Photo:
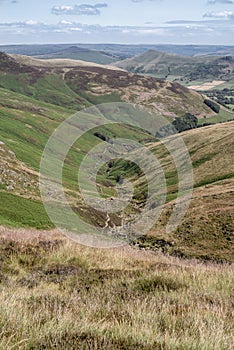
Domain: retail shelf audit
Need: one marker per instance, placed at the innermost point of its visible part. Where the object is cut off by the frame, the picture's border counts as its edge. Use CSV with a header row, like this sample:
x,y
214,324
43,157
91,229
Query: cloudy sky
x,y
117,21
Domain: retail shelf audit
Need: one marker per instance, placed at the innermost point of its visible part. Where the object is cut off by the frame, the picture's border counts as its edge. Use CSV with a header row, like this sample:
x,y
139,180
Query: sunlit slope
x,y
30,111
168,65
207,230
25,126
75,85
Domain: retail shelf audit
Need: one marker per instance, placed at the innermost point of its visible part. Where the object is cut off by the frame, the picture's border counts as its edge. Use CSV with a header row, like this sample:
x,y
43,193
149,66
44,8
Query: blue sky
x,y
117,21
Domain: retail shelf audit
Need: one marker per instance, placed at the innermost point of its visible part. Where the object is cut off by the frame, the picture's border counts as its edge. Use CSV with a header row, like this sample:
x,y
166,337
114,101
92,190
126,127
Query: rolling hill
x,y
182,68
120,51
37,95
162,290
79,53
76,84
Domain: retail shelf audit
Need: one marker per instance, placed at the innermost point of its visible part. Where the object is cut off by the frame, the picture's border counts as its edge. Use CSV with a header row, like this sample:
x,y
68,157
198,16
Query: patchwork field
x,y
207,86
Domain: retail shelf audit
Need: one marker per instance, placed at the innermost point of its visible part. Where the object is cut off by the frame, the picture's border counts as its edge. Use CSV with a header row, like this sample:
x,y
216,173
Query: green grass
x,y
210,180
223,116
21,212
204,159
48,88
27,122
89,56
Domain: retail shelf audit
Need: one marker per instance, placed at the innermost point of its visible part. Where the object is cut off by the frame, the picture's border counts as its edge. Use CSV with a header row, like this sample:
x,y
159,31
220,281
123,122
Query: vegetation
x,y
81,86
180,68
214,106
26,123
224,97
55,294
78,53
21,212
186,122
121,51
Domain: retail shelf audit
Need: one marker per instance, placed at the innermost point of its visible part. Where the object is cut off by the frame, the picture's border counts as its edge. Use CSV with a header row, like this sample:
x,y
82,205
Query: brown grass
x,y
55,294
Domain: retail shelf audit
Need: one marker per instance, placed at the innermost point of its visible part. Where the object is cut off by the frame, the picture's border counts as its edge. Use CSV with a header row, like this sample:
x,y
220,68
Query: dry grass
x,y
58,62
55,294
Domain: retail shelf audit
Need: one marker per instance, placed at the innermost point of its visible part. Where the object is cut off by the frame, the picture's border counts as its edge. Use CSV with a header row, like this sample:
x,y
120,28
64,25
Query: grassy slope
x,y
26,124
55,294
24,131
207,230
75,53
74,85
177,67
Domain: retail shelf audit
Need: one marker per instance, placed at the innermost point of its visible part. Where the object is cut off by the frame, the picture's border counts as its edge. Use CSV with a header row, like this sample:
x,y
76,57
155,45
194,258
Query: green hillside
x,y
76,84
182,68
36,97
78,53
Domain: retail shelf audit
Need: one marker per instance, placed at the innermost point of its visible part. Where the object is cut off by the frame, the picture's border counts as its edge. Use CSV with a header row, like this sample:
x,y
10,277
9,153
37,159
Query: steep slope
x,y
74,85
185,68
207,231
26,123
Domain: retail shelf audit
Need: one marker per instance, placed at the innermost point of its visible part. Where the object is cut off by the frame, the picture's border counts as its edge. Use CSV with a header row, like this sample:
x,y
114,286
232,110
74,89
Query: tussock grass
x,y
55,294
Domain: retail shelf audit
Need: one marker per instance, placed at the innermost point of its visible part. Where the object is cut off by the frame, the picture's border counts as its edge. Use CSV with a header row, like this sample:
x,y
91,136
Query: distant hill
x,y
121,51
79,53
183,68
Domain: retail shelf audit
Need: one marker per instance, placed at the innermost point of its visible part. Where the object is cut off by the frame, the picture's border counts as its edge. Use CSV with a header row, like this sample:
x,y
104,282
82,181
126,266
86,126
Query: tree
x,y
187,122
214,106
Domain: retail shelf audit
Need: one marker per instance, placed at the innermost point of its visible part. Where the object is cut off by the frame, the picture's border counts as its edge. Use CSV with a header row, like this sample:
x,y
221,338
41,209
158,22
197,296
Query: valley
x,y
157,291
37,95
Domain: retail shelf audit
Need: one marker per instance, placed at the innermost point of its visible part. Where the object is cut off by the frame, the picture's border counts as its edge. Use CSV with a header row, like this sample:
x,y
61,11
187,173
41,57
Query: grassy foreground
x,y
55,294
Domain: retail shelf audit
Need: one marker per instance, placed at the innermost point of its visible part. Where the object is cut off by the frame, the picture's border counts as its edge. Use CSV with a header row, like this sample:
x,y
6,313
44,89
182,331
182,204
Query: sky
x,y
117,21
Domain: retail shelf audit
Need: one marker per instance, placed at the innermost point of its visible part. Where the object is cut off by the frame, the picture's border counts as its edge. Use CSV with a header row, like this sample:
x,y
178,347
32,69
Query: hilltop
x,y
79,53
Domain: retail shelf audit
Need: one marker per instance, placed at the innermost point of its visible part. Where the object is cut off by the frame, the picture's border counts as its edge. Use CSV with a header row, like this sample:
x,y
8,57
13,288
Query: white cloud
x,y
184,32
213,2
221,14
31,22
64,22
78,10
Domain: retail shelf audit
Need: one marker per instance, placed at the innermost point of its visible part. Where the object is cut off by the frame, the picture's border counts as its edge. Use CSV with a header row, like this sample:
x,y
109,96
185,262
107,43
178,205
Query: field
x,y
207,86
56,294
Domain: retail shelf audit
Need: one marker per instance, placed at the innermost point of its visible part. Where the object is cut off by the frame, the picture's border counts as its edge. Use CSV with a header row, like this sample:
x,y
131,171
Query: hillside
x,y
27,122
158,291
79,53
207,230
120,51
56,294
75,84
182,68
